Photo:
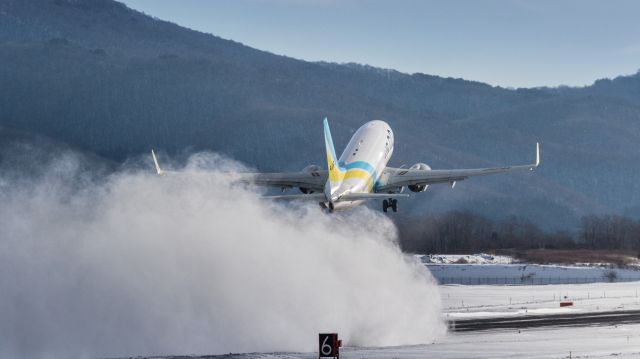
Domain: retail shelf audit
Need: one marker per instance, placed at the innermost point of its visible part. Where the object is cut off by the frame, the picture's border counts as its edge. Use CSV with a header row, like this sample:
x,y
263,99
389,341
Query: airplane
x,y
361,173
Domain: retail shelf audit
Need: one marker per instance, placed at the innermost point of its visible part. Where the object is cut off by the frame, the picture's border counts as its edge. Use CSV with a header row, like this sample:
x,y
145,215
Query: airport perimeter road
x,y
551,320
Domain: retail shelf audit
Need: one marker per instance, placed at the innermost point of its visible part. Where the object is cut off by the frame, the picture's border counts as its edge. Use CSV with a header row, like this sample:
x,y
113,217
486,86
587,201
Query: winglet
x,y
537,154
159,170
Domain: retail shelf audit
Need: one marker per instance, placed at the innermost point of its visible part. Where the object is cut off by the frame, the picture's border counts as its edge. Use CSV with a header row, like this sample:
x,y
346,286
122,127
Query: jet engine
x,y
310,169
419,187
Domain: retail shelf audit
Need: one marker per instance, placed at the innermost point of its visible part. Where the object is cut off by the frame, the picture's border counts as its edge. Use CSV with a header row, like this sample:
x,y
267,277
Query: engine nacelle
x,y
313,169
416,187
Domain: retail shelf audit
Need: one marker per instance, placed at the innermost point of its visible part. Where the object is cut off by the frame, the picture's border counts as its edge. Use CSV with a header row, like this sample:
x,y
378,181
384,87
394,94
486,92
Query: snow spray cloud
x,y
137,264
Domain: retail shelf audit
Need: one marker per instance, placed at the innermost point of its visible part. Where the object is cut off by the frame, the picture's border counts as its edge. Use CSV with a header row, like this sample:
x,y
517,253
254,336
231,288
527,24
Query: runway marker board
x,y
329,345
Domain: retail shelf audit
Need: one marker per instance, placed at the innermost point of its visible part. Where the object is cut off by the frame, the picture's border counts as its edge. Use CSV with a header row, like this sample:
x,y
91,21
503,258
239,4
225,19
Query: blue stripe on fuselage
x,y
363,166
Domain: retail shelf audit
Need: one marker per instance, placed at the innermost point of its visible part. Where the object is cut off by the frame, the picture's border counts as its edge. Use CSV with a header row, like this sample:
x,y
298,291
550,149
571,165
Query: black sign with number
x,y
328,345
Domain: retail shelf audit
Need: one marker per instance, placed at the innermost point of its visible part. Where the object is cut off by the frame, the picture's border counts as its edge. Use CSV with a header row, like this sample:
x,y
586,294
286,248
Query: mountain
x,y
116,82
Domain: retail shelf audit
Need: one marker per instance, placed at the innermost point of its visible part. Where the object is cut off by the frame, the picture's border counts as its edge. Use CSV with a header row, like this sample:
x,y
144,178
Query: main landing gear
x,y
390,203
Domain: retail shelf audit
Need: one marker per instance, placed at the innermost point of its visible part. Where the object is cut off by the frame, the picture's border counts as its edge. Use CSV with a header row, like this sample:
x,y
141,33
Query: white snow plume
x,y
145,265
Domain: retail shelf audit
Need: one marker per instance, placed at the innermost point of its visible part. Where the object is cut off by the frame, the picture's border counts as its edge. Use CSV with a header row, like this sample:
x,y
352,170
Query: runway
x,y
548,320
610,334
593,342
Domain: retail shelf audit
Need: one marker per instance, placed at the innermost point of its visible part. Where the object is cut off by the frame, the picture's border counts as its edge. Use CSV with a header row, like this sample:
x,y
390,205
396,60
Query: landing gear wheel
x,y
385,205
394,205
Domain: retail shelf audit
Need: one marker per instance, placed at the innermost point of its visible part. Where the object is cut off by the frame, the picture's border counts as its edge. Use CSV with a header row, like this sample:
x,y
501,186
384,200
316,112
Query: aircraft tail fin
x,y
336,173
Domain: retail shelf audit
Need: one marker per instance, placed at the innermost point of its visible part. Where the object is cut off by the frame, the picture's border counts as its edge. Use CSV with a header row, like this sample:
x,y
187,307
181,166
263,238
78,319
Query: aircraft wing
x,y
399,177
311,180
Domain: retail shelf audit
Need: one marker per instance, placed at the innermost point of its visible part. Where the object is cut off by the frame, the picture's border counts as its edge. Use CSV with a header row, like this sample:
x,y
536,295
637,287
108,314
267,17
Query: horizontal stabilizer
x,y
302,197
363,196
346,197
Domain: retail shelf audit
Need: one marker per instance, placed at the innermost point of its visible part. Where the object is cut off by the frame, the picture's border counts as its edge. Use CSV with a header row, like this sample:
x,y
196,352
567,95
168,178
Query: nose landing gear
x,y
390,203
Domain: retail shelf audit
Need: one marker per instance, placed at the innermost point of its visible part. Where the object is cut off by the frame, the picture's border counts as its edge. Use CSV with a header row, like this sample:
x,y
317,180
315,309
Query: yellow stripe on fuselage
x,y
361,174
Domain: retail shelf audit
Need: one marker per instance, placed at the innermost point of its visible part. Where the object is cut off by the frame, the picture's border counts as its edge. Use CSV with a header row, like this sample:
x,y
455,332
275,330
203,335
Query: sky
x,y
513,43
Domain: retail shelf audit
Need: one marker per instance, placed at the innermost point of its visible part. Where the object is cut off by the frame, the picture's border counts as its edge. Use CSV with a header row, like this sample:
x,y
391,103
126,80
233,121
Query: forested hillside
x,y
115,82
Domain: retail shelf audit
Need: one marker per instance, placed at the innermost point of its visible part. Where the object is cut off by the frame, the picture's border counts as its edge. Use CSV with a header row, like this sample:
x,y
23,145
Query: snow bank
x,y
521,274
481,258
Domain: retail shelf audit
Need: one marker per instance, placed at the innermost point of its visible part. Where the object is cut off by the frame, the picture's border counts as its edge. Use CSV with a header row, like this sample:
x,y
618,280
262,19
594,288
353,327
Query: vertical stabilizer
x,y
336,173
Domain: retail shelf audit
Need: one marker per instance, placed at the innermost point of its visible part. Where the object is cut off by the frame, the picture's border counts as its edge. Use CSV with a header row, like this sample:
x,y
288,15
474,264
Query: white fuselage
x,y
364,159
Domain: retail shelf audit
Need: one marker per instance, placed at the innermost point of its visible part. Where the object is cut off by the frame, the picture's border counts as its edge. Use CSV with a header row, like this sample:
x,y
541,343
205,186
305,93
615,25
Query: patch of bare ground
x,y
573,256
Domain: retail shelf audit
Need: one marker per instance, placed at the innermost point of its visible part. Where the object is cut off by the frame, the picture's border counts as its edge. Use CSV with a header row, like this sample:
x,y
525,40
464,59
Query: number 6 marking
x,y
326,348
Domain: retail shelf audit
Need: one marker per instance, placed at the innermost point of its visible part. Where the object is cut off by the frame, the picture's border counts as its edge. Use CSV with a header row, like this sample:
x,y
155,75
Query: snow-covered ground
x,y
502,270
587,342
591,342
466,301
621,341
472,301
